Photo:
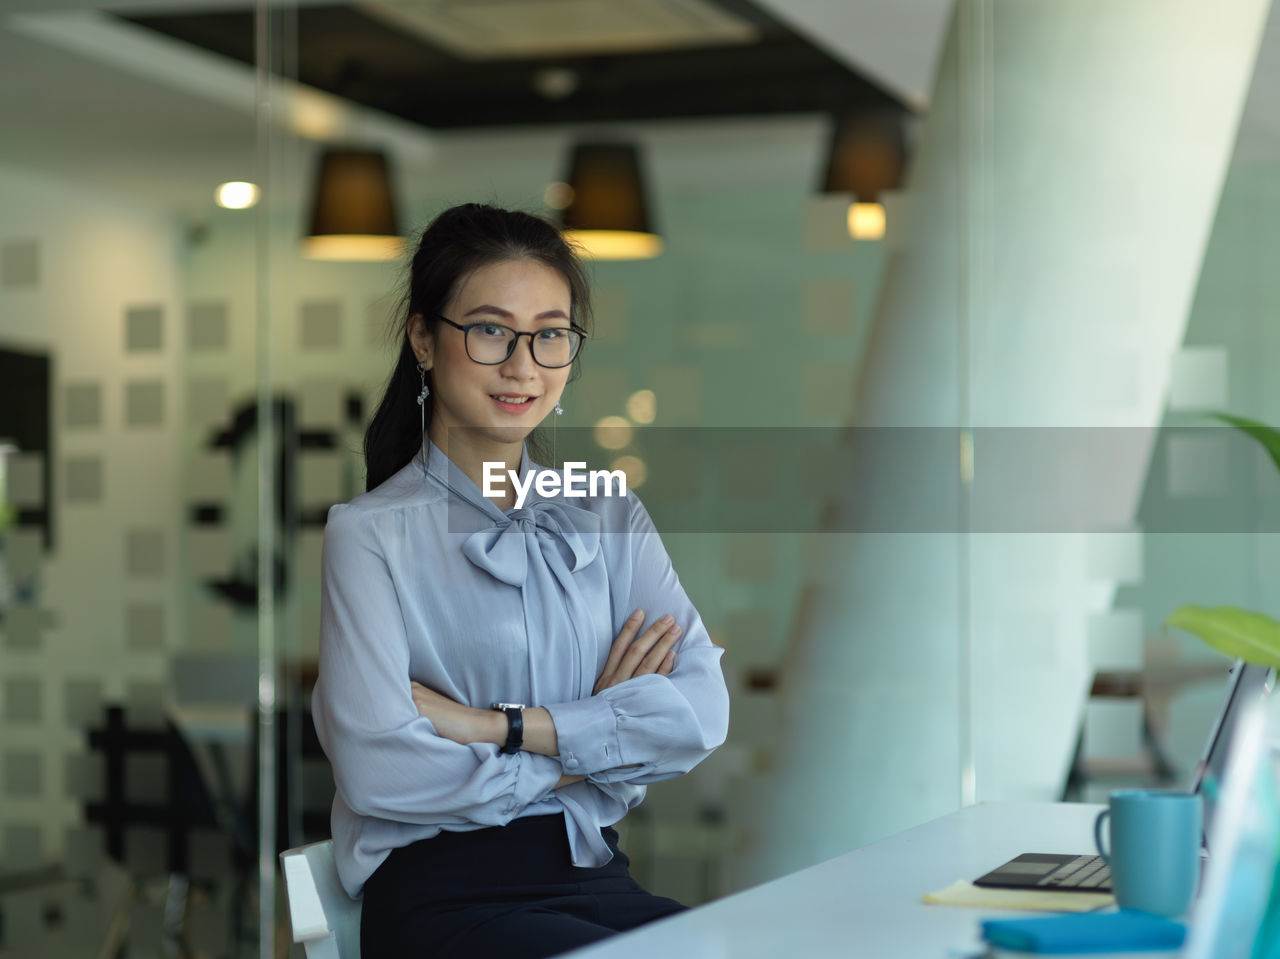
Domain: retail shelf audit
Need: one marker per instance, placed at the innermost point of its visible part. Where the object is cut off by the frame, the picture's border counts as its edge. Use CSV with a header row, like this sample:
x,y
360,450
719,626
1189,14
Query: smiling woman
x,y
497,685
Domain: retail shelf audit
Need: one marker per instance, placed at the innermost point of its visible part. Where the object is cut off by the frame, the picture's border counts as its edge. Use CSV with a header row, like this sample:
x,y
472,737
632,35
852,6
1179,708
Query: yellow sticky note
x,y
961,893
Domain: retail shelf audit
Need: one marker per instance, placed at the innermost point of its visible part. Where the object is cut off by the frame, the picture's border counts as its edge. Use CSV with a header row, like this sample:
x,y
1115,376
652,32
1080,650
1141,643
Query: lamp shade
x,y
353,213
608,216
868,156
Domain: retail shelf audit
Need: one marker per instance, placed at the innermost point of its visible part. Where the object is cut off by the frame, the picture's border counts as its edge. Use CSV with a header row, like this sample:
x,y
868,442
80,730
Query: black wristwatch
x,y
515,725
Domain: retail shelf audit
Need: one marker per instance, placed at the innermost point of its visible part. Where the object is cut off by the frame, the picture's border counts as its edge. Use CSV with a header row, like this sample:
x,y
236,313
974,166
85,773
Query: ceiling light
x,y
237,195
868,156
608,216
556,83
866,221
353,214
313,114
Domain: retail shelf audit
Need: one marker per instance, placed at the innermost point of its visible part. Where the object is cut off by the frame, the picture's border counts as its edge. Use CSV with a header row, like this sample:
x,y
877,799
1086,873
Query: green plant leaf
x,y
1253,637
1268,436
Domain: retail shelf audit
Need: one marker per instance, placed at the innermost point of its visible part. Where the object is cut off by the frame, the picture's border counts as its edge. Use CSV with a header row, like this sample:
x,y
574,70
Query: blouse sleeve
x,y
654,727
388,761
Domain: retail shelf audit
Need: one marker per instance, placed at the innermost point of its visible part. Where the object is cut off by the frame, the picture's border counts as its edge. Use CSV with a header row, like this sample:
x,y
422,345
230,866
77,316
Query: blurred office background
x,y
935,468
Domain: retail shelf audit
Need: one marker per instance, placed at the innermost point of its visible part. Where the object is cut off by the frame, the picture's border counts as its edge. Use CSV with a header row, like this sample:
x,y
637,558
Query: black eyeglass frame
x,y
515,341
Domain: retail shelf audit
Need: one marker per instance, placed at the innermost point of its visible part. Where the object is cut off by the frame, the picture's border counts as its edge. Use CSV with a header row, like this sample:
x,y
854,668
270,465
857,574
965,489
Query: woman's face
x,y
504,402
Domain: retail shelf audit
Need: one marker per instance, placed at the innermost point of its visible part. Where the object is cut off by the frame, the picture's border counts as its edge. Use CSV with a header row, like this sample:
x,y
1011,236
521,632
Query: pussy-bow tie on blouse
x,y
572,535
503,550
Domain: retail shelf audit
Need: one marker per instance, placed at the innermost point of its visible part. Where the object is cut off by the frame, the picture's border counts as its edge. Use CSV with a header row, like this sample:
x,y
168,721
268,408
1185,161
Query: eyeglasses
x,y
493,343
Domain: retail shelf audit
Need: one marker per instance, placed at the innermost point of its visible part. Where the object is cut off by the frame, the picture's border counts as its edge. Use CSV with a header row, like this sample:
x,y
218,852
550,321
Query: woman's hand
x,y
455,721
653,651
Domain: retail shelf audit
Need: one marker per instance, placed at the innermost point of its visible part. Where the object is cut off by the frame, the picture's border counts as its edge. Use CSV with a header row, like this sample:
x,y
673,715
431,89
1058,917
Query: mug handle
x,y
1097,836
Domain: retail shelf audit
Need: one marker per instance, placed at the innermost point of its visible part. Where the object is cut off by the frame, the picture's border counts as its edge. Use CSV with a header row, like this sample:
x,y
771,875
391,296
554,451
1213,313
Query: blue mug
x,y
1155,849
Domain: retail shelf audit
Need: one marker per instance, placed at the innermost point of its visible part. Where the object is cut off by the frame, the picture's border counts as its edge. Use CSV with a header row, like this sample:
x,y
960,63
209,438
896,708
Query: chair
x,y
187,806
325,920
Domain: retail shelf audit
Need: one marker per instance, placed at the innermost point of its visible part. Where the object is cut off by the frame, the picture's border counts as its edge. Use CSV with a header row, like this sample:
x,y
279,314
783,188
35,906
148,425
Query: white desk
x,y
867,903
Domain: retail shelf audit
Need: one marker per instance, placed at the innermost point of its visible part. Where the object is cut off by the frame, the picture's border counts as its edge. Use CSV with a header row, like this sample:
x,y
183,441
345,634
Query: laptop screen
x,y
1236,910
1246,685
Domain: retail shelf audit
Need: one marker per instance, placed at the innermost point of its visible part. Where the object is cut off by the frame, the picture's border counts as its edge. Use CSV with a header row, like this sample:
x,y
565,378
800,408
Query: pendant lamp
x,y
353,213
868,156
608,215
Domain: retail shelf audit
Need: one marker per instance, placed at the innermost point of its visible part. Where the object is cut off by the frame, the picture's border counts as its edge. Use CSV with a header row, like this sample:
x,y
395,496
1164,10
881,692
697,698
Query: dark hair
x,y
458,241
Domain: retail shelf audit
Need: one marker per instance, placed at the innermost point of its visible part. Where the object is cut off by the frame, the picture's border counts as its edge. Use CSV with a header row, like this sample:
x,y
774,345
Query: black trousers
x,y
509,892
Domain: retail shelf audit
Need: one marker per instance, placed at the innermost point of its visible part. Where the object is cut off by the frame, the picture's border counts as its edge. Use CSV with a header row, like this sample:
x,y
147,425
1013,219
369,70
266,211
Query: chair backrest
x,y
324,918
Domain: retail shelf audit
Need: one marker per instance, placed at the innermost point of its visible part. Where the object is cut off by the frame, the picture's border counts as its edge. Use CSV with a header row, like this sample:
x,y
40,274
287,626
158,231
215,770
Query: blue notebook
x,y
1087,932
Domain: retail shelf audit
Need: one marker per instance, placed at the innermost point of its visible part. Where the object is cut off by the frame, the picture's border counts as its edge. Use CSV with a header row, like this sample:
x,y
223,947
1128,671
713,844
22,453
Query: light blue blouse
x,y
424,579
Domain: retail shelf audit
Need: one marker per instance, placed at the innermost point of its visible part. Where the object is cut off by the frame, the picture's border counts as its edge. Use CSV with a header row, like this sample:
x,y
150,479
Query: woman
x,y
472,830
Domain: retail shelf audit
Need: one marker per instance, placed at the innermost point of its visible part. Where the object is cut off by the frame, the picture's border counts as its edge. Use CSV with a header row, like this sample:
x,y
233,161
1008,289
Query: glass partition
x,y
1117,199
132,651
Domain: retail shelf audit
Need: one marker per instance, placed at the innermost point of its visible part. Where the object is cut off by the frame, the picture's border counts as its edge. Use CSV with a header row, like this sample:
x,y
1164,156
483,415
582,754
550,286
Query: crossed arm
x,y
632,654
412,755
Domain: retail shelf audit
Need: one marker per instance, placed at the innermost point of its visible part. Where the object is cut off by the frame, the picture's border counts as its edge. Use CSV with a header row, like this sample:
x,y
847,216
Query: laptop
x,y
1247,685
1060,872
1237,915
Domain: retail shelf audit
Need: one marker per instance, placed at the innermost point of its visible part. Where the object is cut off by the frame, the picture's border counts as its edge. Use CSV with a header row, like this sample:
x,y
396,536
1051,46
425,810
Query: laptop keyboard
x,y
1083,872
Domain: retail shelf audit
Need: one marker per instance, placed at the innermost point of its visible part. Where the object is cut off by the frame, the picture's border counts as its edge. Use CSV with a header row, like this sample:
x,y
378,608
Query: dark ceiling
x,y
353,55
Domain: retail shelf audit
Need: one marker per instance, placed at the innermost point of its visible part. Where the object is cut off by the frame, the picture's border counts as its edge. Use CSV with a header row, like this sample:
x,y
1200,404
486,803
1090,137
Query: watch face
x,y
506,706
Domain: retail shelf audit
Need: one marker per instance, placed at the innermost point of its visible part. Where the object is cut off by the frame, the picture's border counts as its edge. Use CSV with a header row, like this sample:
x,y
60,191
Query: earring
x,y
422,409
559,412
426,390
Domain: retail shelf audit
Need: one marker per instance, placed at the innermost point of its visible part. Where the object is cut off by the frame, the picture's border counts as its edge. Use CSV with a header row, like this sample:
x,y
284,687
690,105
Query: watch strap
x,y
515,726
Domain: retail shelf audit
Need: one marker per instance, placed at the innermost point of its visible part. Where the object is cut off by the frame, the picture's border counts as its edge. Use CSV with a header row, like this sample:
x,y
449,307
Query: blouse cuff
x,y
536,778
587,735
